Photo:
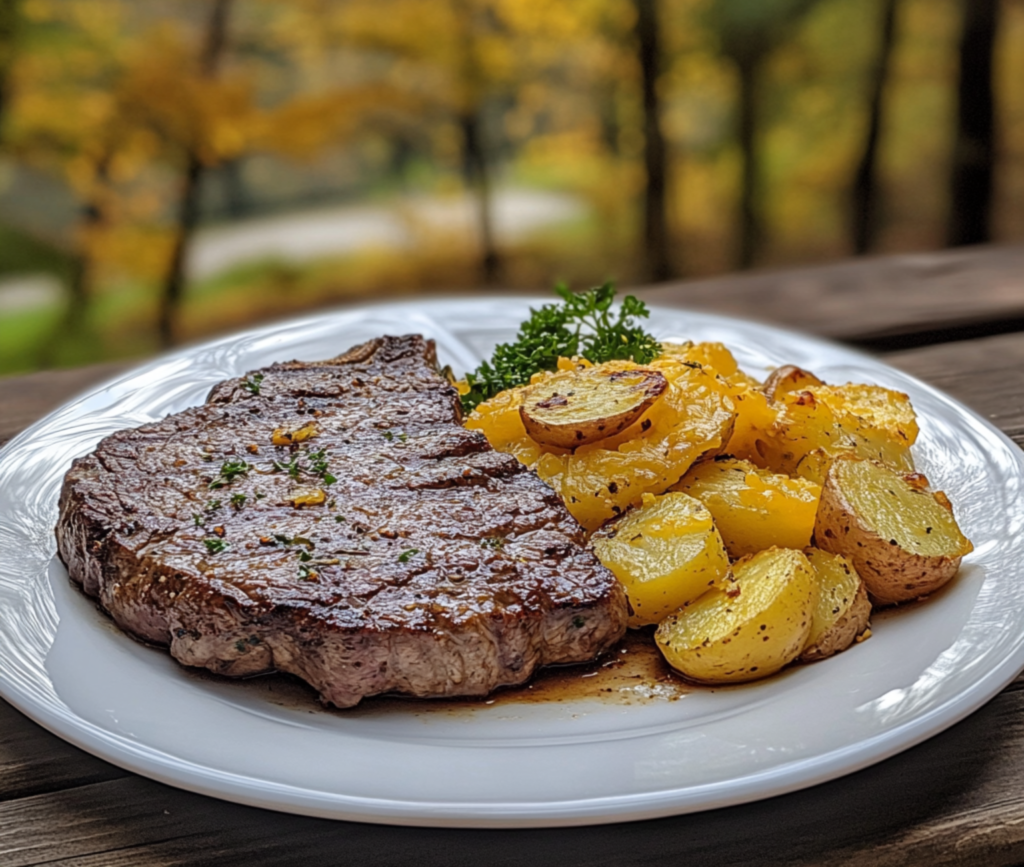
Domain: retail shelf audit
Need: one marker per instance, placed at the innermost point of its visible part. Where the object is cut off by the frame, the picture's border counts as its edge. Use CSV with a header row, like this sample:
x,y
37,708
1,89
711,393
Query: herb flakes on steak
x,y
334,520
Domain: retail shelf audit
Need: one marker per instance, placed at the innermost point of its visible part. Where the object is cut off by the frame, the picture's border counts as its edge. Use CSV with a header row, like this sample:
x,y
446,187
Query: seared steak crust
x,y
386,549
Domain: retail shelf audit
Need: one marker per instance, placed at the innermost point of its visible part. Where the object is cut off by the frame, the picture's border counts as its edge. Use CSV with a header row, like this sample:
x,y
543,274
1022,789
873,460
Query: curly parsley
x,y
582,324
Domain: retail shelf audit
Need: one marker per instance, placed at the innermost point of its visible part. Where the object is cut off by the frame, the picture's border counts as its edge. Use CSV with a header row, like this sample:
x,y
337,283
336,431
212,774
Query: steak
x,y
334,520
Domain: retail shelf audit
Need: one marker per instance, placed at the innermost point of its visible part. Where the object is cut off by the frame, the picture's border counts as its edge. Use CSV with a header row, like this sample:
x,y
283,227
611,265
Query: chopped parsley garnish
x,y
212,505
317,466
307,573
305,556
408,554
338,519
229,471
215,546
238,500
492,542
292,467
388,436
198,519
581,325
578,622
253,385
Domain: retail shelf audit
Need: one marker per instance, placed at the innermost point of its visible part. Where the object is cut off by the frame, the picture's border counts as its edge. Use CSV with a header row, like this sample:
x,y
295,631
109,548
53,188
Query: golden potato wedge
x,y
665,553
748,629
843,609
900,537
577,407
753,508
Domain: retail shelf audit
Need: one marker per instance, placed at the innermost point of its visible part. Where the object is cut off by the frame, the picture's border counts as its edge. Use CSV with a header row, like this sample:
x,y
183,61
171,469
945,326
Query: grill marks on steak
x,y
435,566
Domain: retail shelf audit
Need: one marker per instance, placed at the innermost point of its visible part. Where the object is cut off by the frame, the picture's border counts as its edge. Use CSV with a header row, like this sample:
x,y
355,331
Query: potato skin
x,y
890,573
850,623
579,407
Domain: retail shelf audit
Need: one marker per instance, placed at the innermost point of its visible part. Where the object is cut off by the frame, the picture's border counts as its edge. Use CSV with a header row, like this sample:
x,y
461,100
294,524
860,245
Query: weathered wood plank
x,y
32,761
986,375
25,399
884,302
956,799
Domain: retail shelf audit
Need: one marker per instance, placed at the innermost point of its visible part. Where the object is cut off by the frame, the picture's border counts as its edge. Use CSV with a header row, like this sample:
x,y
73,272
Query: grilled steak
x,y
334,520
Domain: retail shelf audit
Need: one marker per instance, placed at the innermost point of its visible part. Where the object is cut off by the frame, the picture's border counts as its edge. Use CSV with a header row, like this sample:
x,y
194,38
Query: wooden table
x,y
954,319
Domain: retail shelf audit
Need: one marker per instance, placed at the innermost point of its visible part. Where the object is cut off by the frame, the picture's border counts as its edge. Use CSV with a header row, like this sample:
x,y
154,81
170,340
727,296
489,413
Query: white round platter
x,y
504,765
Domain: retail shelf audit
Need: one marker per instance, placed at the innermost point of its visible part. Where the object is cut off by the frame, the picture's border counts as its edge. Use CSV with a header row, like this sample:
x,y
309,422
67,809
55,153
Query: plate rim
x,y
158,765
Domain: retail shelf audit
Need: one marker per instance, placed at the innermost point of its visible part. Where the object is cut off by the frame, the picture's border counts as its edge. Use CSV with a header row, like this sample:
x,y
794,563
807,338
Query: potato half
x,y
753,508
583,406
665,553
900,537
843,608
749,629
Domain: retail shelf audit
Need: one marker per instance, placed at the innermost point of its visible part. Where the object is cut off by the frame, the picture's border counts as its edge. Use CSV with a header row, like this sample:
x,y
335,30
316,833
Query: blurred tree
x,y
656,260
864,206
10,21
195,161
749,31
471,19
64,122
974,150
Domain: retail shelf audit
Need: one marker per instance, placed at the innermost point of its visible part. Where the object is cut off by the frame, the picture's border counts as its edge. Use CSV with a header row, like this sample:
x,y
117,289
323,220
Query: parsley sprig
x,y
583,324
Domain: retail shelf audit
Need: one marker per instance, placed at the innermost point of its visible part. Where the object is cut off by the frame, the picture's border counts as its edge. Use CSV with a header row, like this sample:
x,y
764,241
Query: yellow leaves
x,y
164,89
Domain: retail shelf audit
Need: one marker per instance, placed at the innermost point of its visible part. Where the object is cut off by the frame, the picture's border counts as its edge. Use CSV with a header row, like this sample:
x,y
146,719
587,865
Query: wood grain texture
x,y
956,799
25,399
883,302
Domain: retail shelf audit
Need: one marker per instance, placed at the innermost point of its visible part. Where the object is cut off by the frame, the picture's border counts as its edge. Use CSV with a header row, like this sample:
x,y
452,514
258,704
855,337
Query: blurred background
x,y
170,169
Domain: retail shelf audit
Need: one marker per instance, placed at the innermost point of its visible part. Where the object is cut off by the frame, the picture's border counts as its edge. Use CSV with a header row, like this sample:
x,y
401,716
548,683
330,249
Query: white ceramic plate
x,y
64,665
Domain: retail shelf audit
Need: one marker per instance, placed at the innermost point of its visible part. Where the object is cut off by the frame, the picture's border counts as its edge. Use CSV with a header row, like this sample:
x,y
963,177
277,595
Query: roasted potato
x,y
665,553
577,407
599,481
753,508
900,537
843,608
812,425
751,627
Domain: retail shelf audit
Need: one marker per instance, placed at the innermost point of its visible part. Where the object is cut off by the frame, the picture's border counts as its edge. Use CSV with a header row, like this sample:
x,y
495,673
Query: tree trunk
x,y
750,221
657,263
191,183
91,218
477,174
974,150
864,205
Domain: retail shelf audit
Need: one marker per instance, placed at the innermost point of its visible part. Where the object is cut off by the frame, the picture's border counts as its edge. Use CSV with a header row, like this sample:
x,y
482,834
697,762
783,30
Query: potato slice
x,y
843,607
578,407
748,629
665,553
900,537
753,508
